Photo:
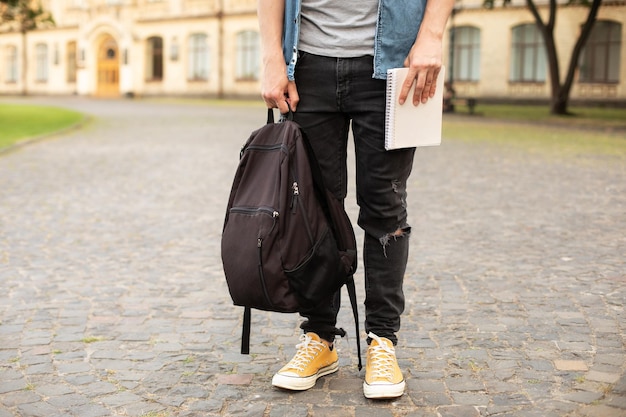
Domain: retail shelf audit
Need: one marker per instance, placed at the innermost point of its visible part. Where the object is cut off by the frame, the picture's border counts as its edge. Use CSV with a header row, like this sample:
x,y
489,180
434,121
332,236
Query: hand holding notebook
x,y
407,125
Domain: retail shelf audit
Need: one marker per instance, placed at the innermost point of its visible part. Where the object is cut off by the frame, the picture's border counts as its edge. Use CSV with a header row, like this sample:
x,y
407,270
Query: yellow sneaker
x,y
383,378
313,359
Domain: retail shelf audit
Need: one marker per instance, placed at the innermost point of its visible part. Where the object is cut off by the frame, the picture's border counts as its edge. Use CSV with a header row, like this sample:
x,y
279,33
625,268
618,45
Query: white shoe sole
x,y
295,383
382,391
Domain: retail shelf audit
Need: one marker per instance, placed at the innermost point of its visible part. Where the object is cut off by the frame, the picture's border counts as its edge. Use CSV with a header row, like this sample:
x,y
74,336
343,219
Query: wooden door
x,y
108,68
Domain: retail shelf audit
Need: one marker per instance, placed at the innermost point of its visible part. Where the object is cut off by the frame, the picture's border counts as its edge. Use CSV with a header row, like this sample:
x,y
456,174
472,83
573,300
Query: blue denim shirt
x,y
396,30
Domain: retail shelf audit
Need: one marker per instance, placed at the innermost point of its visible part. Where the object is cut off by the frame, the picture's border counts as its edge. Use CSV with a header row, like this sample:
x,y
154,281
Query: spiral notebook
x,y
409,126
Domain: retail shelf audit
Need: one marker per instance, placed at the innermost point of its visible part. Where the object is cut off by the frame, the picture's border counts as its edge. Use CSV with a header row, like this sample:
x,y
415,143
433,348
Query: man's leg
x,y
381,194
382,200
327,130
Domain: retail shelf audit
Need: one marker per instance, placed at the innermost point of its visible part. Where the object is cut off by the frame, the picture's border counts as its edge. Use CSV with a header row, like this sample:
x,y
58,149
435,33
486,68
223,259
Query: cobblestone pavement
x,y
113,301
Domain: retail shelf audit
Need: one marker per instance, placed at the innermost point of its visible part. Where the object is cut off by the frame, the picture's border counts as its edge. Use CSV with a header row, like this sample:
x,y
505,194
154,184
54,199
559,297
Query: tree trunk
x,y
580,43
560,92
559,105
559,102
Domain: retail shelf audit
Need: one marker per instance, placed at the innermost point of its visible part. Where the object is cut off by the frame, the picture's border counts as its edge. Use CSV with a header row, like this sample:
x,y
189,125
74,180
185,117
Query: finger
x,y
406,86
430,86
269,99
433,87
426,91
282,106
420,85
292,96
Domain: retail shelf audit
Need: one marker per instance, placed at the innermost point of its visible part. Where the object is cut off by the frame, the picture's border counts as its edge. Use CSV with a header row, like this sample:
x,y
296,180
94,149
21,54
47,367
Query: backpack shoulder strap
x,y
245,331
355,313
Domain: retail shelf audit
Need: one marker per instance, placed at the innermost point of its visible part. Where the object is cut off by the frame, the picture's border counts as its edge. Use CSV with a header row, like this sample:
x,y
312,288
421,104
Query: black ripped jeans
x,y
335,92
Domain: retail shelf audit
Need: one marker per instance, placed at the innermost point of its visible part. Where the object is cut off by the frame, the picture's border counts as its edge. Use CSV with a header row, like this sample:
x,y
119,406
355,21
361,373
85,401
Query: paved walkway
x,y
113,301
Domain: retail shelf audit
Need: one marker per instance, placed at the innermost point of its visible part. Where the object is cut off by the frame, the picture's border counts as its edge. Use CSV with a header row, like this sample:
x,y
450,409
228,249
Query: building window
x,y
248,55
600,60
154,59
198,50
466,53
528,60
71,62
11,64
41,62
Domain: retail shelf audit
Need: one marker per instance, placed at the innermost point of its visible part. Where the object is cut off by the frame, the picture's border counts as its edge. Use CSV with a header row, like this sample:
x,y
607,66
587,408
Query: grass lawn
x,y
588,132
20,122
591,117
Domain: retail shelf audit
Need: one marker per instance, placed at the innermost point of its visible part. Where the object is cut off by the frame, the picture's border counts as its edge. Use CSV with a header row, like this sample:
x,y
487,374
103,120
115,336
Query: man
x,y
328,59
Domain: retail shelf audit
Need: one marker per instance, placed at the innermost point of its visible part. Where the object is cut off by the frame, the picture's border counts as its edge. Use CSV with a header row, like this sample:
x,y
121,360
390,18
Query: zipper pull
x,y
294,196
275,215
258,242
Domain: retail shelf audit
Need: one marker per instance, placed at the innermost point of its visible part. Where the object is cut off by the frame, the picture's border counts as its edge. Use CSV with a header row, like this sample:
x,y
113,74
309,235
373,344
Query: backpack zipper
x,y
259,241
254,210
295,202
294,196
268,148
259,245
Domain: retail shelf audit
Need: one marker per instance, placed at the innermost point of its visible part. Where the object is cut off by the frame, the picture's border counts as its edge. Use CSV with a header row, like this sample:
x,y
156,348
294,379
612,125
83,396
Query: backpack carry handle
x,y
285,116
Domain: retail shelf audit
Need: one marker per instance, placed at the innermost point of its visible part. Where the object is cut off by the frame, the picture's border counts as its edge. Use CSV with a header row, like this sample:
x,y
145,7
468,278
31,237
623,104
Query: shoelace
x,y
383,359
306,352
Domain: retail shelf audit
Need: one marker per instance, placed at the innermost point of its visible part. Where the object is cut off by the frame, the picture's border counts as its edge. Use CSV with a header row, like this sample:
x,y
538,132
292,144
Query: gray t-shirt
x,y
338,28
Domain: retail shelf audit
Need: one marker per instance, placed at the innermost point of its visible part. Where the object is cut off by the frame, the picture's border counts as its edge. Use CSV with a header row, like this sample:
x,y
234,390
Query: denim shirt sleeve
x,y
291,31
396,30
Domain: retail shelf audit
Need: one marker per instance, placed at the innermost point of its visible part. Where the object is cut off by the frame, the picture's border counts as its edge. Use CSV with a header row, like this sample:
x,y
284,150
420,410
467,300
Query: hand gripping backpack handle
x,y
283,116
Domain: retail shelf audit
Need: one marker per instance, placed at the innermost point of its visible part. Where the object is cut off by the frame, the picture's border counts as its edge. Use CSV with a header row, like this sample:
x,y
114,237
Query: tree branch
x,y
552,18
533,9
580,43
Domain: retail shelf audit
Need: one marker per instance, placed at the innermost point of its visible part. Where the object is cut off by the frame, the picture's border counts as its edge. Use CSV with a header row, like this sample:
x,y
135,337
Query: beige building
x,y
114,48
137,47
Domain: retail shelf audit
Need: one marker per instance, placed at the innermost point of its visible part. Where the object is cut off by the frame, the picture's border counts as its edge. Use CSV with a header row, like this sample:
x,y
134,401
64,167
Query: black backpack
x,y
287,242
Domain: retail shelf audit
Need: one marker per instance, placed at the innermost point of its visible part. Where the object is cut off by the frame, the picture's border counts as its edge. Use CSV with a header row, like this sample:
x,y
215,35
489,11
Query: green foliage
x,y
27,14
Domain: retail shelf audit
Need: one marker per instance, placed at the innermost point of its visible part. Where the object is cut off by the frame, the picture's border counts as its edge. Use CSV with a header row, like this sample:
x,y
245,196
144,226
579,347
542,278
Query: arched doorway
x,y
108,82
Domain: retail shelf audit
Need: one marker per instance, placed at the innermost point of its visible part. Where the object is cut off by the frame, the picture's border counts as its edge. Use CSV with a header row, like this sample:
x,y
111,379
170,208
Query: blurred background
x,y
514,51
